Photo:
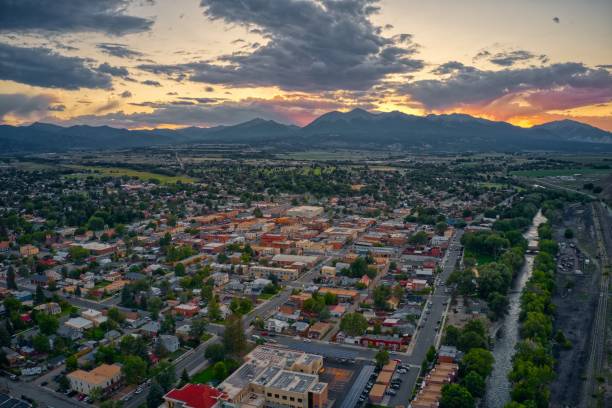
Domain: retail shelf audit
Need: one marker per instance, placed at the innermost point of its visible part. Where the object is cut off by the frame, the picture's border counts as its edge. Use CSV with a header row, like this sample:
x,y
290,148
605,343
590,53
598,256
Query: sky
x,y
176,63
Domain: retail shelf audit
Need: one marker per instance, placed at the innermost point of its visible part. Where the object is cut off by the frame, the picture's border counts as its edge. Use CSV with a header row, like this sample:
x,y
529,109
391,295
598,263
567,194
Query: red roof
x,y
195,395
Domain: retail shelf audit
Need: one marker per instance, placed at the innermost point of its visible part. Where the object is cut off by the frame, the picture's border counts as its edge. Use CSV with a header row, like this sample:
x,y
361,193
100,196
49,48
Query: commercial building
x,y
305,211
104,377
192,396
276,377
283,274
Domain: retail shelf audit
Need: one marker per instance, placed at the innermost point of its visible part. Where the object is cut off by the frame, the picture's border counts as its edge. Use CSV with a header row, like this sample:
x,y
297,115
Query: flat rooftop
x,y
293,382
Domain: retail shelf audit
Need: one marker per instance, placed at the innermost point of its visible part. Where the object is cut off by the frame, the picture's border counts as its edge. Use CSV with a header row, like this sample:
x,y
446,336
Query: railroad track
x,y
598,337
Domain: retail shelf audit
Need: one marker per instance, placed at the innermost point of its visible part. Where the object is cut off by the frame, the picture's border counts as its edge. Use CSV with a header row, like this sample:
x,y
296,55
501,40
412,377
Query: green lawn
x,y
481,259
207,375
266,296
559,172
142,175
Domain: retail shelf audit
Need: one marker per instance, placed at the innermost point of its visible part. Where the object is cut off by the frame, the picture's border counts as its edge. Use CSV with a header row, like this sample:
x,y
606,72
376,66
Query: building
x,y
283,274
169,342
28,250
319,330
192,396
79,324
343,295
287,260
99,248
186,310
276,377
305,211
94,316
51,308
104,377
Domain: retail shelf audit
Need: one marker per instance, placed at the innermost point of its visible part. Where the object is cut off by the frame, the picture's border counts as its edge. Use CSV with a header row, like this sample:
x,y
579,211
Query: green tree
x,y
40,342
220,370
382,358
95,223
47,324
134,369
234,339
456,396
95,394
154,305
184,378
10,278
478,360
214,310
474,383
215,352
569,233
165,376
431,354
155,396
39,297
71,363
354,324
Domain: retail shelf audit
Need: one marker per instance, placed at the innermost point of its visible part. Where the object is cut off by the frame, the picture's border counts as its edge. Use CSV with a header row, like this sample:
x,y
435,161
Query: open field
x,y
331,155
559,172
121,172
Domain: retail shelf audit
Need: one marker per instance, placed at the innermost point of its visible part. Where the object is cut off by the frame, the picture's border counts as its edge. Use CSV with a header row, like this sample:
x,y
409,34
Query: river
x,y
498,386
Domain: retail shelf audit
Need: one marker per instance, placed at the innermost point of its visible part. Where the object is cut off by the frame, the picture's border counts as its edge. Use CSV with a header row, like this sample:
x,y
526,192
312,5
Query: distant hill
x,y
355,129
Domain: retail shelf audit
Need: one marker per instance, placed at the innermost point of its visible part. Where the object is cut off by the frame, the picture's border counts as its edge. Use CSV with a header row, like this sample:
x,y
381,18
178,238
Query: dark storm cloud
x,y
312,45
467,85
119,50
44,67
114,71
24,105
62,16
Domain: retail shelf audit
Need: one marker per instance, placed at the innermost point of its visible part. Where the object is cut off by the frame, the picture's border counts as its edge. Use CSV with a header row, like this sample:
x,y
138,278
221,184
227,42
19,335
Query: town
x,y
124,291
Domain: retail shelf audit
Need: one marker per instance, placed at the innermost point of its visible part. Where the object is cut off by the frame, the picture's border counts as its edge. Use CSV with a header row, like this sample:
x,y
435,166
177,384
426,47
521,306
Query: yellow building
x,y
103,377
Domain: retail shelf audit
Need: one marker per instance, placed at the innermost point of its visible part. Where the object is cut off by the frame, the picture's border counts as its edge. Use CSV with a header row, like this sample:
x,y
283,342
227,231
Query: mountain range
x,y
355,129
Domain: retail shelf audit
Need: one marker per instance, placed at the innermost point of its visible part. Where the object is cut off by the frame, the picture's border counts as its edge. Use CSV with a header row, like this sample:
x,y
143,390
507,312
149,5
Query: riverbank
x,y
498,385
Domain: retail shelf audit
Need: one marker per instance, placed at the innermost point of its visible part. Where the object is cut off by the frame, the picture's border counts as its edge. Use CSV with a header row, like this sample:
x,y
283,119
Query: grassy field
x,y
207,375
317,155
559,172
481,259
142,175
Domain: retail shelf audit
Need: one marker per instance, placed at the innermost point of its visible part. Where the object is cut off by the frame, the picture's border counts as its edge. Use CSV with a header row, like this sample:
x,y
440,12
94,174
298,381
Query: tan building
x,y
28,250
305,211
103,377
283,274
276,377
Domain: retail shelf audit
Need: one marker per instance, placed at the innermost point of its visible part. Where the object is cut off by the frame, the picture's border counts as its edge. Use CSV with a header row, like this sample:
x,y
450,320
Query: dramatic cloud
x,y
43,67
125,94
61,16
24,106
150,82
119,50
556,20
56,108
114,71
299,109
311,46
509,58
469,85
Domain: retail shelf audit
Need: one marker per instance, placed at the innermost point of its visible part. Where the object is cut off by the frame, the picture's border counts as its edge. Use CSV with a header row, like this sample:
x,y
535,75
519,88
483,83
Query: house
x,y
4,246
94,316
104,377
184,331
51,308
134,276
28,250
186,310
39,280
328,271
300,328
79,324
319,330
150,329
220,278
337,311
192,396
169,342
343,295
386,342
275,325
69,333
